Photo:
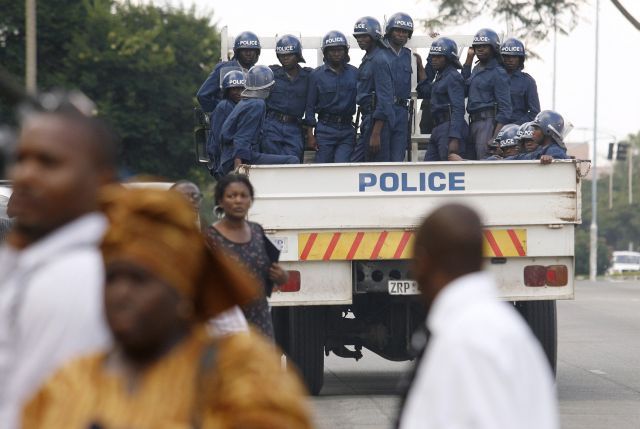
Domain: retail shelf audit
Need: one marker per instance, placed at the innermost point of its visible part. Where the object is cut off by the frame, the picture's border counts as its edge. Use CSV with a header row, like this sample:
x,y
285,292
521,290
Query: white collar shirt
x,y
483,368
51,309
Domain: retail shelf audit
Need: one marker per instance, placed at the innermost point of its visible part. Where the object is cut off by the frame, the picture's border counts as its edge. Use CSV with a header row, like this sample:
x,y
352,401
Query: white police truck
x,y
346,233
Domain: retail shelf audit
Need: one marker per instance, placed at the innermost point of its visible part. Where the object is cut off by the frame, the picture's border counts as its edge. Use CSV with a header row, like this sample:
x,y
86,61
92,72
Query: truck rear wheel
x,y
306,344
541,317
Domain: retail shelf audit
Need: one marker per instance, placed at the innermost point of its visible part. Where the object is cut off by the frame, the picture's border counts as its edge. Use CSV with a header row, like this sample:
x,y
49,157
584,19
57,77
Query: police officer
x,y
232,86
508,141
286,104
553,129
332,95
241,132
489,101
524,92
246,51
398,31
447,102
374,93
529,137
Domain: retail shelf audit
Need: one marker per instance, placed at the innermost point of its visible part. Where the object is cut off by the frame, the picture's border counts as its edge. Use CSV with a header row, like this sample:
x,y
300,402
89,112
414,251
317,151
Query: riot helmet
x,y
335,39
290,44
233,79
506,138
246,40
447,48
368,25
552,125
487,36
399,20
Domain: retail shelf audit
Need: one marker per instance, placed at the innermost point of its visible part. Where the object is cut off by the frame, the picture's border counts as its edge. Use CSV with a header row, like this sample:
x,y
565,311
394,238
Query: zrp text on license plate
x,y
403,287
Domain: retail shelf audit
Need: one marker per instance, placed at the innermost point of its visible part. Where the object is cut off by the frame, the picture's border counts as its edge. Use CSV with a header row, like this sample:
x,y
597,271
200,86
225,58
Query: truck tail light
x,y
557,275
552,275
535,275
293,285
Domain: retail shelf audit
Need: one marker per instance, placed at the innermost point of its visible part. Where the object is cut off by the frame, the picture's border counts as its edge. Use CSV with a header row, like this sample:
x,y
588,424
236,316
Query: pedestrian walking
x,y
482,367
51,273
163,283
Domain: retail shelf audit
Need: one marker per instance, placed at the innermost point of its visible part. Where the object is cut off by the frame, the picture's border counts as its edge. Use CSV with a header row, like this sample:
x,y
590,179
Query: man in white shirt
x,y
482,367
51,271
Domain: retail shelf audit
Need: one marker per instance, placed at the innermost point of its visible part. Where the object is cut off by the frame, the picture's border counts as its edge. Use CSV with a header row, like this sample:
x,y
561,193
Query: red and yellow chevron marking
x,y
372,245
505,243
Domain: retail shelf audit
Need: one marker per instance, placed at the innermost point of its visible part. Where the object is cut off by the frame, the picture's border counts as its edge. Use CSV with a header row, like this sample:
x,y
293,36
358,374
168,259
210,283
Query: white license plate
x,y
403,287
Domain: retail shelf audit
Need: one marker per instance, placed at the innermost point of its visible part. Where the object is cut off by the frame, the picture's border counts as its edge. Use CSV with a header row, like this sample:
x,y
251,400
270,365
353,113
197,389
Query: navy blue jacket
x,y
219,115
241,131
554,150
488,86
210,93
447,95
331,93
374,76
289,96
524,98
401,72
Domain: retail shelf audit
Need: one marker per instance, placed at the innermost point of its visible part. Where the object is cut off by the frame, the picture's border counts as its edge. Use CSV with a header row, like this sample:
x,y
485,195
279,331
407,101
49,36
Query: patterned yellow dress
x,y
238,383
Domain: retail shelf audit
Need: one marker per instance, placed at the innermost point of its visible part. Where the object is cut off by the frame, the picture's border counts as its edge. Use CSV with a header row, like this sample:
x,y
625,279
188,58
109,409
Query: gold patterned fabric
x,y
247,389
156,230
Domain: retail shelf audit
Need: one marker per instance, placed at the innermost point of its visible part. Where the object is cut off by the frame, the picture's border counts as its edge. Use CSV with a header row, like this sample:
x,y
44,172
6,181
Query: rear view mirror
x,y
200,135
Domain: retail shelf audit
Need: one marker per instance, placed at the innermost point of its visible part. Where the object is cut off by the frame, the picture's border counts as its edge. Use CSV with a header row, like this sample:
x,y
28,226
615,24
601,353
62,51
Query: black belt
x,y
287,119
404,102
483,114
440,118
334,119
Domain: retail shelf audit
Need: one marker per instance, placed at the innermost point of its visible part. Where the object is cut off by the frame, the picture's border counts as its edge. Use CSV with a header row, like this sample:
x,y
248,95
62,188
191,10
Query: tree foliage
x,y
531,19
140,63
618,226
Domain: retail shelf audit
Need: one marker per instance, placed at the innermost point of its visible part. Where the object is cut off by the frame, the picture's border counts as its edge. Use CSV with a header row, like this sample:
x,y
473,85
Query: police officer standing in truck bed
x,y
375,93
524,92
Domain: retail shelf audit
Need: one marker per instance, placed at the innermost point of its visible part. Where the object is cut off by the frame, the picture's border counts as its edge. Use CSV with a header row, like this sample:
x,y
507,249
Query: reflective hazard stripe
x,y
372,245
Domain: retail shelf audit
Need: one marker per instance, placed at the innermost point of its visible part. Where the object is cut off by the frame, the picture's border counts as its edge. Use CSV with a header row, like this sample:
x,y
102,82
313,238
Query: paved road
x,y
598,368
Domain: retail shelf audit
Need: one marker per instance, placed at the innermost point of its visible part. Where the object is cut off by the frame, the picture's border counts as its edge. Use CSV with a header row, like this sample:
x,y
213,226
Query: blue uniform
x,y
489,98
241,134
333,97
401,75
283,134
447,111
524,98
375,98
219,115
210,93
554,150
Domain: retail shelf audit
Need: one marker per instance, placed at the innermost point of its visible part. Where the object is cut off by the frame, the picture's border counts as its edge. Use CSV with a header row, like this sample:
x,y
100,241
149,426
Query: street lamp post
x,y
593,248
31,47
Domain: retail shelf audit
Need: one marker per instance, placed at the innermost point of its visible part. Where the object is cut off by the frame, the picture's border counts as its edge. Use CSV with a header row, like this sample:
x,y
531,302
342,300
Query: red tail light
x,y
539,275
293,285
557,275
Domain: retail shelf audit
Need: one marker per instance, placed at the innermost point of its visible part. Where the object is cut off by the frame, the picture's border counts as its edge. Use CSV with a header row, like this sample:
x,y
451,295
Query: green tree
x,y
141,64
618,226
533,19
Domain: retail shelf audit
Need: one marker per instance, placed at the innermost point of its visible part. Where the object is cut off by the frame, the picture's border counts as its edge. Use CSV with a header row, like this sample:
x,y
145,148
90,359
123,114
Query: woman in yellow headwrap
x,y
164,371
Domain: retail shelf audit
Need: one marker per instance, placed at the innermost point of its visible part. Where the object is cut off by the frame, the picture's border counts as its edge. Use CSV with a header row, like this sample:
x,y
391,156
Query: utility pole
x,y
31,47
555,59
630,161
593,248
611,189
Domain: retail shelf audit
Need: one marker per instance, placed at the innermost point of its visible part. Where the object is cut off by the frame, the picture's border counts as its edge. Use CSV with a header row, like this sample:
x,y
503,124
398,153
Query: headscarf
x,y
155,230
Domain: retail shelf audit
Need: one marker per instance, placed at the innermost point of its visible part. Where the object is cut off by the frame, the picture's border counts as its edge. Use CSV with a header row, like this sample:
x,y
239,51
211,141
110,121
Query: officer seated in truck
x,y
241,132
